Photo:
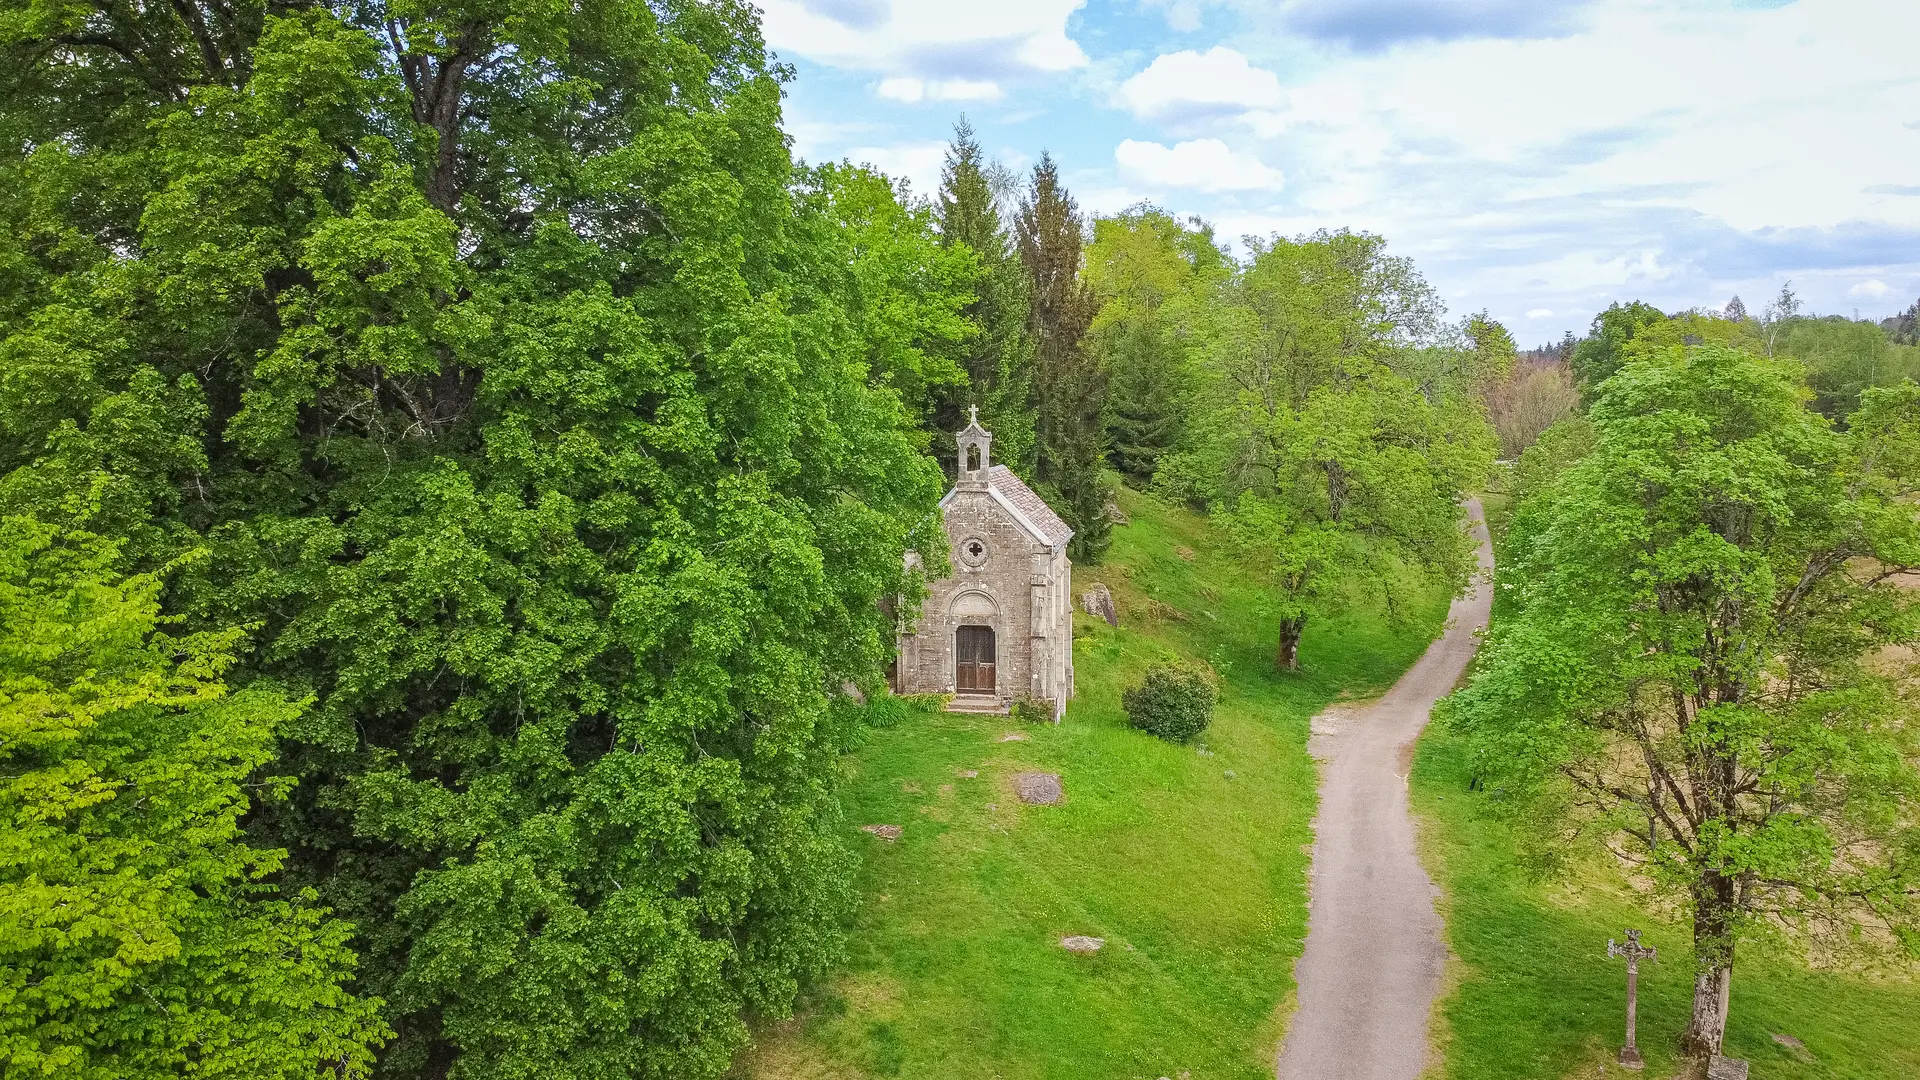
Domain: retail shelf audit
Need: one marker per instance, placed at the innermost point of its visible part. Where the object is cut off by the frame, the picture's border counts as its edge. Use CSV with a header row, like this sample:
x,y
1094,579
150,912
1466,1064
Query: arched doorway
x,y
973,663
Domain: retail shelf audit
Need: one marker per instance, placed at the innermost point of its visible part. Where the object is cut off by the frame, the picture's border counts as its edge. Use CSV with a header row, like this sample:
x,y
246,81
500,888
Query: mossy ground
x,y
1191,865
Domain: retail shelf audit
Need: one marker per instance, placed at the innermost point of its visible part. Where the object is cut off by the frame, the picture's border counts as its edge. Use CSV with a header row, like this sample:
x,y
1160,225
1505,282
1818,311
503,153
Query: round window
x,y
973,551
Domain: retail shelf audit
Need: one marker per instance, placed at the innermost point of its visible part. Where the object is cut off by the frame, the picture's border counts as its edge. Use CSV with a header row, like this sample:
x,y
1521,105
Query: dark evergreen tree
x,y
1904,328
1070,387
1145,406
999,358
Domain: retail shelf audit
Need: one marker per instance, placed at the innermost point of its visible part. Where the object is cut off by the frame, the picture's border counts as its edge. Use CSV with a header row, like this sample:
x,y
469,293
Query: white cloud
x,y
912,90
1672,152
1691,106
1654,150
1873,289
1198,165
1540,313
918,163
1194,82
974,40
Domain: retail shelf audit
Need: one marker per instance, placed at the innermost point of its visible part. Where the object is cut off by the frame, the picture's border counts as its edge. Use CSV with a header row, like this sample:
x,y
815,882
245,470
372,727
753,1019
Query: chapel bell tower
x,y
974,443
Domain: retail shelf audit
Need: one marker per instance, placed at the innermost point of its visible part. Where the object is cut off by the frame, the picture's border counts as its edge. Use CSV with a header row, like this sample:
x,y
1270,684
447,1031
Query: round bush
x,y
1175,702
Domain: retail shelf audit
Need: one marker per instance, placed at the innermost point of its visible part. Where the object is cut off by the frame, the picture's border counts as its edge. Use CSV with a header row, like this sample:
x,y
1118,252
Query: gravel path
x,y
1374,954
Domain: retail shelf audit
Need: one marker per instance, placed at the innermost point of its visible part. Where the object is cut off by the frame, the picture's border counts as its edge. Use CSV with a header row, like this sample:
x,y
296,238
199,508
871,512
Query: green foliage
x,y
1033,710
1156,280
999,357
1690,655
1338,475
138,933
1070,386
1173,702
904,292
1472,358
545,424
1491,341
1603,350
1557,448
1904,328
1844,357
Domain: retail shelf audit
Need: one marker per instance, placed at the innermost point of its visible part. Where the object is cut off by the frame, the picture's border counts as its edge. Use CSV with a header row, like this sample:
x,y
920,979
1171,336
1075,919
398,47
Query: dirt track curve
x,y
1374,952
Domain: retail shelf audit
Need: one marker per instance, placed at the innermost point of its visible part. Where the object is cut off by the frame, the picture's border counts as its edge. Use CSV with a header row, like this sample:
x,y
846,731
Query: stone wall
x,y
1018,587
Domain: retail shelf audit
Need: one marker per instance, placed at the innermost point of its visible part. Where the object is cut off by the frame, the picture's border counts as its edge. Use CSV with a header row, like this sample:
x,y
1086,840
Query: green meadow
x,y
1535,996
1190,861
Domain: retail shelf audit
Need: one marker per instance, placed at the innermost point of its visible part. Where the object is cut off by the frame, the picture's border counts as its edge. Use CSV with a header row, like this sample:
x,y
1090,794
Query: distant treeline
x,y
454,462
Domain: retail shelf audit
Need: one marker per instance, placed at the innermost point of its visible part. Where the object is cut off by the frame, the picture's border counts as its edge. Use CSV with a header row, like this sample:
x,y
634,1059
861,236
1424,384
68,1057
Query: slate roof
x,y
1028,505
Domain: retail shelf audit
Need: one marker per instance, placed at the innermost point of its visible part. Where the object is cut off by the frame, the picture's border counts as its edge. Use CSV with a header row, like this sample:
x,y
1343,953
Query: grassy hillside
x,y
1537,996
1189,860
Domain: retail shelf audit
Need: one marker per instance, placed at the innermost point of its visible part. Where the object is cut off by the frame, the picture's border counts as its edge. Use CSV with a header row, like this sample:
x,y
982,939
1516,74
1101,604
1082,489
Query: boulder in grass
x,y
1726,1068
1038,788
1082,944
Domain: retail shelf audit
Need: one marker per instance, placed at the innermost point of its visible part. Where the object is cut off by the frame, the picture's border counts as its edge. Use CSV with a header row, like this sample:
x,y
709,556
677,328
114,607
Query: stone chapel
x,y
1001,626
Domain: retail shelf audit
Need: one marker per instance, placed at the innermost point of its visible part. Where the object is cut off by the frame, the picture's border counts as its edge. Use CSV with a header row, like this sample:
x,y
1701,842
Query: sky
x,y
1537,159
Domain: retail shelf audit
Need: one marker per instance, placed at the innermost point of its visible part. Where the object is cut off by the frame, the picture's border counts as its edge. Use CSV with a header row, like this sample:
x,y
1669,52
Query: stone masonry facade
x,y
1008,551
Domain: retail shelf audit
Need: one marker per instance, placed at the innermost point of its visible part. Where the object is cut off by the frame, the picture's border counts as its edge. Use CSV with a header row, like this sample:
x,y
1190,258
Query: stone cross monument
x,y
1634,952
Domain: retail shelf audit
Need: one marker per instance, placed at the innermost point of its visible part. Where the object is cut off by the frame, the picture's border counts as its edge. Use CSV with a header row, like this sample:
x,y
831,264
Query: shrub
x,y
1033,710
1175,702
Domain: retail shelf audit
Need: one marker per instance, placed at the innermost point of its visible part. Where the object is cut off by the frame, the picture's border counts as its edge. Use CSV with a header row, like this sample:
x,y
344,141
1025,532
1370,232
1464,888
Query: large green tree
x,y
906,292
518,404
137,937
1341,475
999,357
1698,654
1157,281
1070,386
1598,355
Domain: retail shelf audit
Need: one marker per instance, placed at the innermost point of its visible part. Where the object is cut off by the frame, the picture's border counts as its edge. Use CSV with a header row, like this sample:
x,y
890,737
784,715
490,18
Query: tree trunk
x,y
1287,656
1713,911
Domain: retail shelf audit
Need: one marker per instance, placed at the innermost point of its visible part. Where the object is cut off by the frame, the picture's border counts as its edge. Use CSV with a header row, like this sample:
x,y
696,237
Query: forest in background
x,y
453,461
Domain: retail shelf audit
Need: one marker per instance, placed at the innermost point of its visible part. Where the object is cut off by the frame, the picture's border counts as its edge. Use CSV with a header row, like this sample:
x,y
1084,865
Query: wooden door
x,y
973,660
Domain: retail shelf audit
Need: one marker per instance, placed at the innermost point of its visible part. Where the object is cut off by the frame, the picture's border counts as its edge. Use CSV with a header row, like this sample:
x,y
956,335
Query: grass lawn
x,y
1537,996
1191,865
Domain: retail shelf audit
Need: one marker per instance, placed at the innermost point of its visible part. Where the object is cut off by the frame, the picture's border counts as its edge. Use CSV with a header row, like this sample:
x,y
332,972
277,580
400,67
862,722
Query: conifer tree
x,y
999,358
1070,388
1157,280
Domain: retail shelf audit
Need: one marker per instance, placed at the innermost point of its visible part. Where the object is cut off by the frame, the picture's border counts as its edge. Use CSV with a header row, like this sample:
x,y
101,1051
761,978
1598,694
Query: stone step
x,y
983,706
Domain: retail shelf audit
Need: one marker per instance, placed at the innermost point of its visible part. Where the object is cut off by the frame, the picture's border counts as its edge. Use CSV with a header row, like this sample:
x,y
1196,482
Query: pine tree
x,y
1070,388
999,359
1155,278
1144,406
